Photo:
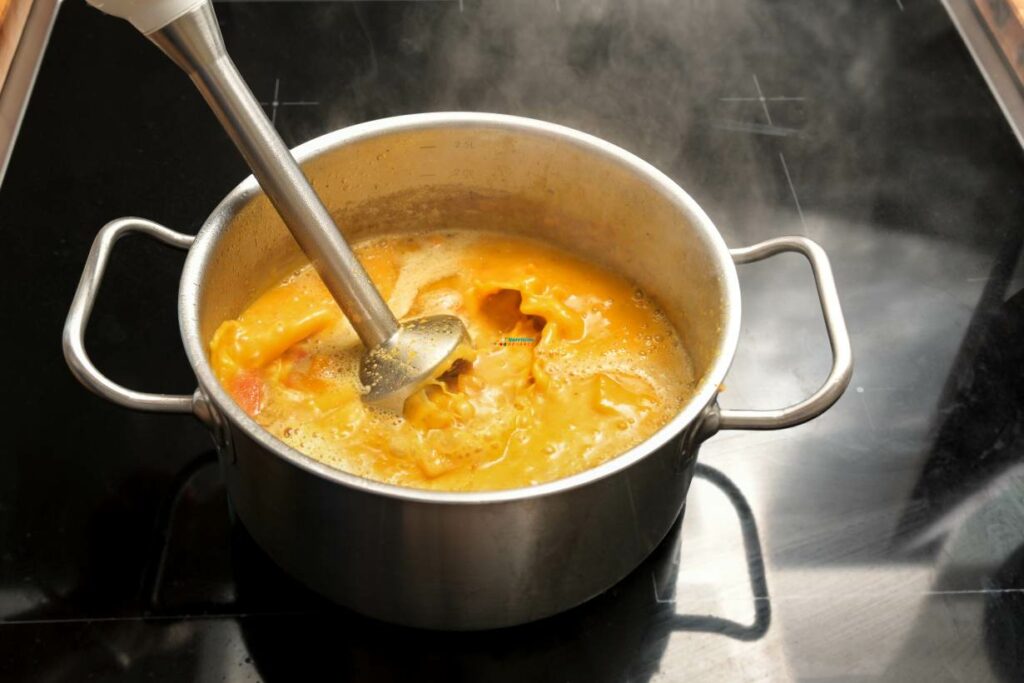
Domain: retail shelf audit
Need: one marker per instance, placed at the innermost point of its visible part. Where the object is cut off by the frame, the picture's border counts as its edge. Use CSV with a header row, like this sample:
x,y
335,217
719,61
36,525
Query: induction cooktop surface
x,y
881,541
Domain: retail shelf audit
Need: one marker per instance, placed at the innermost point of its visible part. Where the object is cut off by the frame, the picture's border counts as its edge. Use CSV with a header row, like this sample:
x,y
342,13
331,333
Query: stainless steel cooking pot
x,y
467,560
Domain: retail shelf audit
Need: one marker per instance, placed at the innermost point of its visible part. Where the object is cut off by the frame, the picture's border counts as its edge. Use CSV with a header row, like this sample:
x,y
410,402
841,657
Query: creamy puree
x,y
573,365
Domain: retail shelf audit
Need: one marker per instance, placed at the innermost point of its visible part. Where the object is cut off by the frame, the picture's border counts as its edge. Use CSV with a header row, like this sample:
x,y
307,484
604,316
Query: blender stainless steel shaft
x,y
399,359
194,42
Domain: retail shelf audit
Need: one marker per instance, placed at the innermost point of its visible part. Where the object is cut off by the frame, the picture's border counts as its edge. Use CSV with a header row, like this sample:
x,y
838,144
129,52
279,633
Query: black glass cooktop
x,y
882,541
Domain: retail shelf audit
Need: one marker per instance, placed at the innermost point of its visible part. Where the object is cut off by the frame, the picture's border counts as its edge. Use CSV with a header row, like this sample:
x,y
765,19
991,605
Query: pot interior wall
x,y
479,177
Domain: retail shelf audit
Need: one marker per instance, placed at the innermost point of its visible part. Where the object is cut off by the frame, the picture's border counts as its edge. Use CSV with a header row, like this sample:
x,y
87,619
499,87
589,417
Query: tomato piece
x,y
249,392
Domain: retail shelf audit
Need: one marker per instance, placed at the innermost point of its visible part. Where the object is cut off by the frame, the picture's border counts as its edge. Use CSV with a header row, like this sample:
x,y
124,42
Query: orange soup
x,y
573,365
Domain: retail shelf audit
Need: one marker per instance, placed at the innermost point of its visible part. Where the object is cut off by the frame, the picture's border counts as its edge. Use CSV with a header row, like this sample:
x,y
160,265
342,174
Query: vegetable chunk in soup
x,y
573,365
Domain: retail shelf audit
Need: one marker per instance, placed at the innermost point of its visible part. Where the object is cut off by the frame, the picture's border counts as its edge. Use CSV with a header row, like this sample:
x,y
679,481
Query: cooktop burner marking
x,y
771,128
792,191
276,102
764,102
758,99
867,410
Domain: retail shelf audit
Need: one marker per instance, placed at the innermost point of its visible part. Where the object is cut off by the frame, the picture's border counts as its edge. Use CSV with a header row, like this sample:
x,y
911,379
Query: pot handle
x,y
838,337
81,307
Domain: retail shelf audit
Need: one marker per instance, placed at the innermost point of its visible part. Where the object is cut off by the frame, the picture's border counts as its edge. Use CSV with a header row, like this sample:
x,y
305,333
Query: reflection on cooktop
x,y
980,440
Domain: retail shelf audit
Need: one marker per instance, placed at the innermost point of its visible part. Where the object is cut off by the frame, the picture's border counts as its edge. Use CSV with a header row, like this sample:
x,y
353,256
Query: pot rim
x,y
207,238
